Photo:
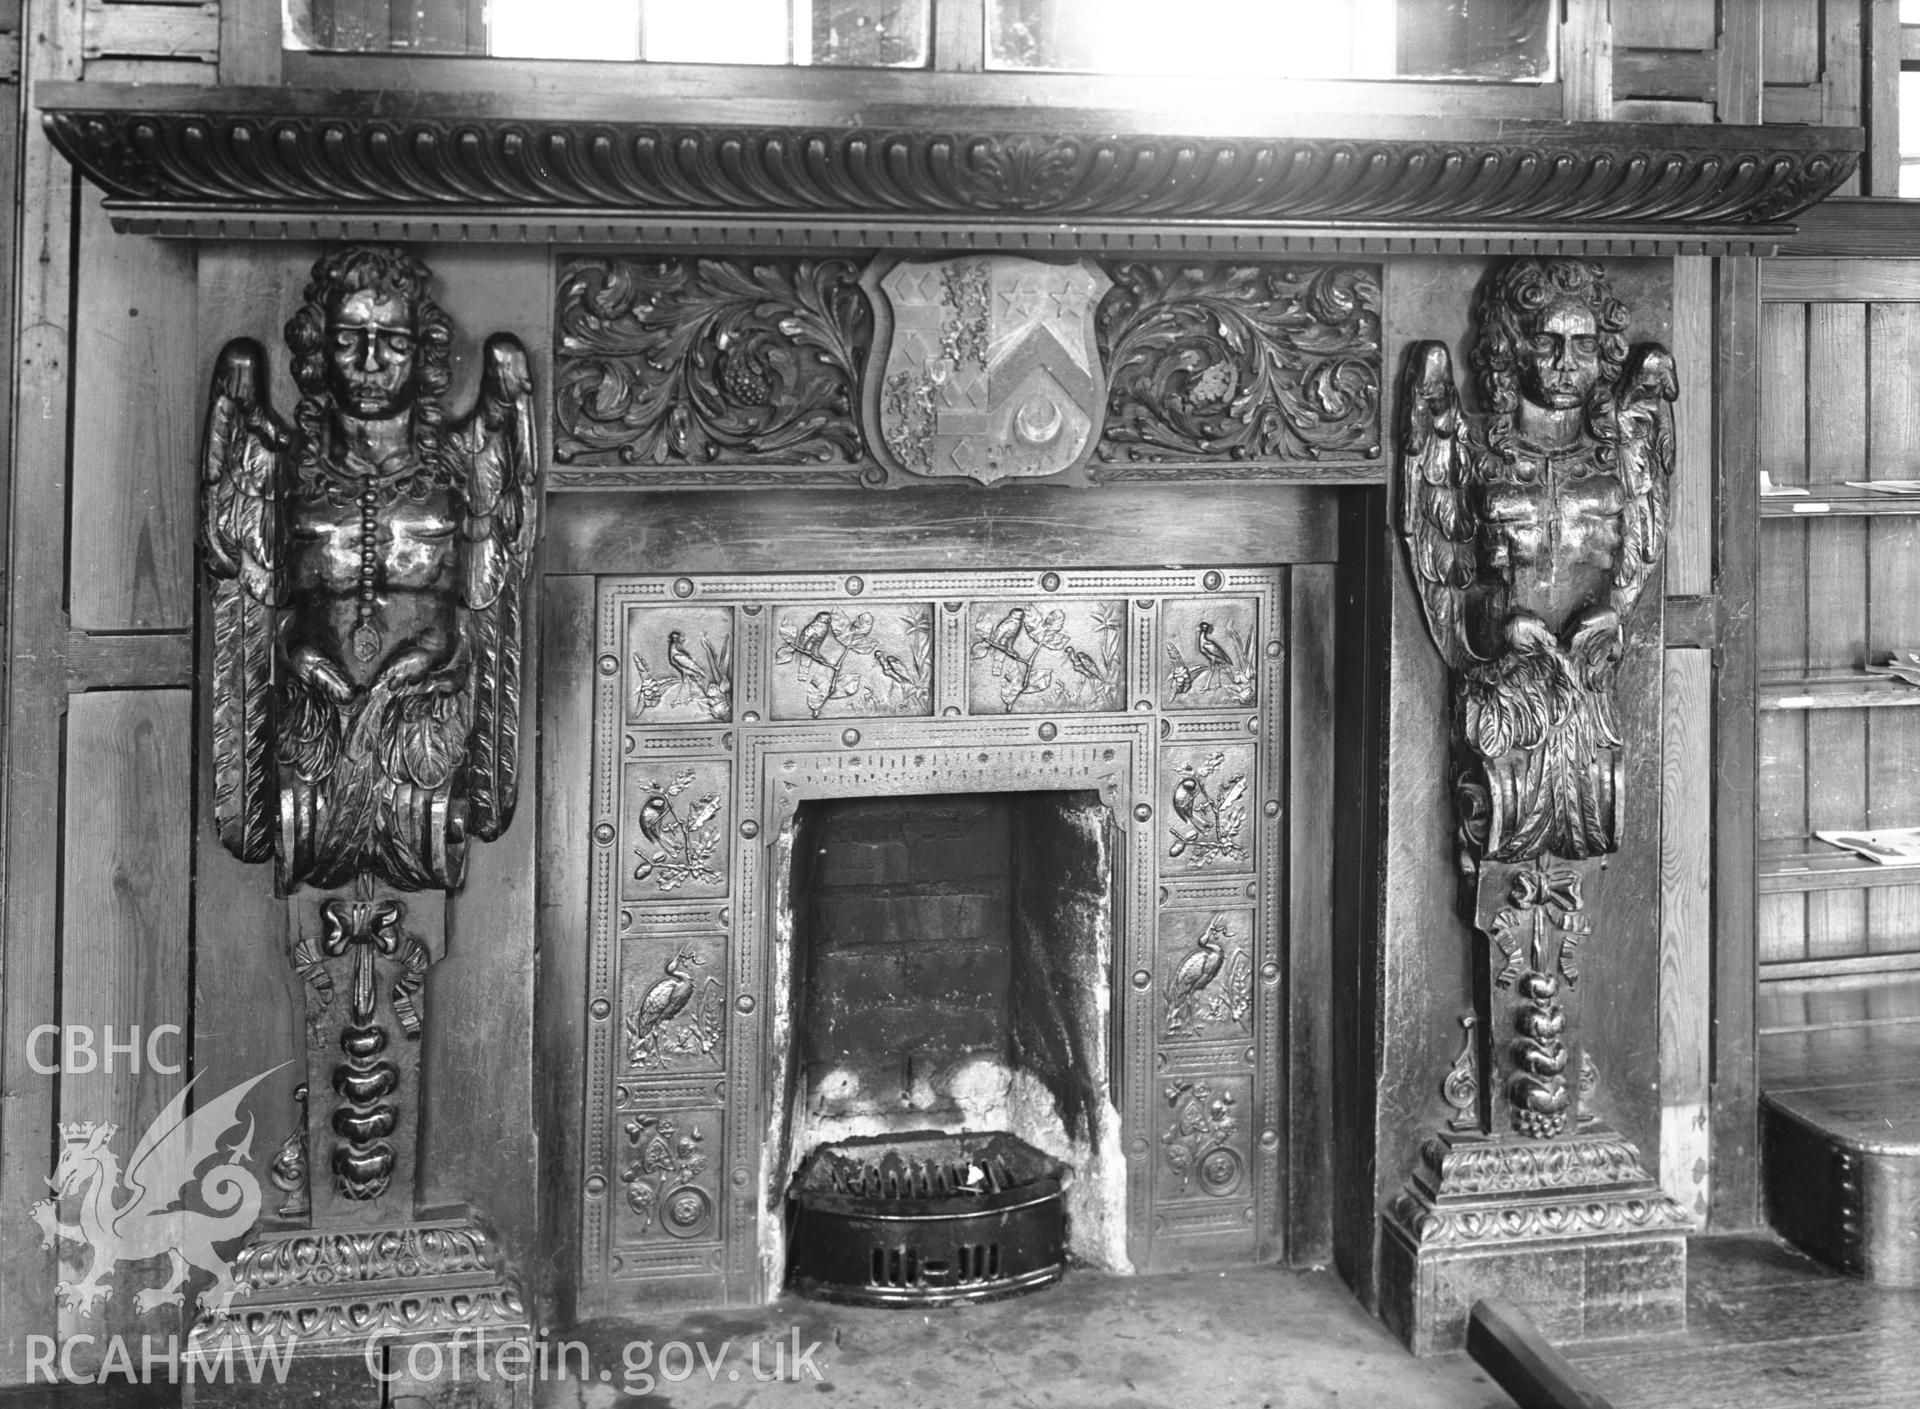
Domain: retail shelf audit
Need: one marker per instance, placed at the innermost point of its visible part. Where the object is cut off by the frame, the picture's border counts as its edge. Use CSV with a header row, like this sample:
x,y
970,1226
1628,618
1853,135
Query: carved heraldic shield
x,y
985,367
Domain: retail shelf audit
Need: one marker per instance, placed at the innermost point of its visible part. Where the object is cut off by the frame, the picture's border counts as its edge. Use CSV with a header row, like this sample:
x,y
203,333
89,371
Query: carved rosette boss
x,y
1532,530
368,562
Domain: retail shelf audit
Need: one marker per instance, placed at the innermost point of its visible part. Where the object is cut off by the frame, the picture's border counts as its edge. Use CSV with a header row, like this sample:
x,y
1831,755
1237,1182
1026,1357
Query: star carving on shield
x,y
984,366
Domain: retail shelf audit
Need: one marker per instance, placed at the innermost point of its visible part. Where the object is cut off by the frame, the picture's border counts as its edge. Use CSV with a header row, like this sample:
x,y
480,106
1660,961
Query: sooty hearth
x,y
952,961
927,1219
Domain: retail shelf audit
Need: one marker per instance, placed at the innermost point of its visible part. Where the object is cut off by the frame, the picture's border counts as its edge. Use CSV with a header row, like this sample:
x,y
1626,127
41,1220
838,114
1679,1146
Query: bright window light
x,y
563,29
1230,38
717,31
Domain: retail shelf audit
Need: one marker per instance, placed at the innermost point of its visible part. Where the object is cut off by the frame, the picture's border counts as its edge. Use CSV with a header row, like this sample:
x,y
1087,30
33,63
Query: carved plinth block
x,y
353,1302
1574,1229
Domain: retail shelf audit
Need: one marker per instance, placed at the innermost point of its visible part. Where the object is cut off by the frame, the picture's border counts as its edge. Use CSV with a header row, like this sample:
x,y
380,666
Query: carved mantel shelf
x,y
293,163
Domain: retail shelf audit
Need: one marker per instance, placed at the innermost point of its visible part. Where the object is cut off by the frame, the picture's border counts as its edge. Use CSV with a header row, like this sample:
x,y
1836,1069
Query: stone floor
x,y
1767,1329
1251,1337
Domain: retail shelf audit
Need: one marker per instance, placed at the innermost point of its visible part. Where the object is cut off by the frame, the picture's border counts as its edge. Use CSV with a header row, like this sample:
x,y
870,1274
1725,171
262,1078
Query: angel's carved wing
x,y
1644,398
241,461
499,522
1435,515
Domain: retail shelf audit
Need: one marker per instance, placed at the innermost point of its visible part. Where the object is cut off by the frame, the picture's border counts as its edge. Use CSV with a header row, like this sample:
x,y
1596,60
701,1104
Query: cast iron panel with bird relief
x,y
864,690
673,1003
1026,657
1212,653
1206,983
676,819
679,665
852,660
1209,823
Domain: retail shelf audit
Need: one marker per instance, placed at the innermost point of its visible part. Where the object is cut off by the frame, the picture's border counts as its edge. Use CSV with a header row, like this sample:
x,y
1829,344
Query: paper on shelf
x,y
1890,846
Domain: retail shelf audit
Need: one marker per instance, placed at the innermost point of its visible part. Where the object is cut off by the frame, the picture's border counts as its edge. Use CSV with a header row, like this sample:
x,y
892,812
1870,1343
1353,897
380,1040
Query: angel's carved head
x,y
368,342
1551,333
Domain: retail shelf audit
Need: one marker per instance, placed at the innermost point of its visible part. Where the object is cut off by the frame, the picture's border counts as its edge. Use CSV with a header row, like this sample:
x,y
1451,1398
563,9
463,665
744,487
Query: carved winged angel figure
x,y
1532,532
367,566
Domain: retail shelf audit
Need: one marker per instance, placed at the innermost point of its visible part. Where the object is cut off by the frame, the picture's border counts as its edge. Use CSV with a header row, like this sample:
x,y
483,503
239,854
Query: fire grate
x,y
925,1219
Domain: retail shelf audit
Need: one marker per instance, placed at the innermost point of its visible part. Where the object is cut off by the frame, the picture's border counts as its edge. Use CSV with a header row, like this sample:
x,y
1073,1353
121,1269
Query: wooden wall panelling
x,y
248,1006
148,71
1661,24
721,530
139,394
1313,780
1881,62
1791,39
1740,85
1586,60
1843,70
1665,51
1424,985
960,36
1686,771
479,1141
1781,800
565,816
36,681
142,29
1690,522
1893,605
1686,885
1368,569
9,249
124,962
1791,30
1738,432
249,42
1841,280
1836,386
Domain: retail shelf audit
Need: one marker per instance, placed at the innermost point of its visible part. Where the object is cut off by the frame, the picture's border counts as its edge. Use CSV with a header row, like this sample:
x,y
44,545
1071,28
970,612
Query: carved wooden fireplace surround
x,y
710,338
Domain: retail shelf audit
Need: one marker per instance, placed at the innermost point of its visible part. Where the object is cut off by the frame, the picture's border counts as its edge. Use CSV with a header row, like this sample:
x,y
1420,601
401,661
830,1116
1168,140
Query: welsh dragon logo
x,y
150,1220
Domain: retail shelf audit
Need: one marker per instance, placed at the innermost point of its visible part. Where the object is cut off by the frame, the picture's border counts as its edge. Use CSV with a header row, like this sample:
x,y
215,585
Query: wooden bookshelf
x,y
1804,864
1838,689
1838,501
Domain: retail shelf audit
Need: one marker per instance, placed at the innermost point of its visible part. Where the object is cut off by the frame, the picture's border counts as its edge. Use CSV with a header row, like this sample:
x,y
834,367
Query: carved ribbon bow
x,y
1533,890
371,927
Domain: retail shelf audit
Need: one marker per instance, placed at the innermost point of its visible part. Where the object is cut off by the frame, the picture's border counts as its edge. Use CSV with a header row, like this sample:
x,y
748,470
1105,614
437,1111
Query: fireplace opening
x,y
947,966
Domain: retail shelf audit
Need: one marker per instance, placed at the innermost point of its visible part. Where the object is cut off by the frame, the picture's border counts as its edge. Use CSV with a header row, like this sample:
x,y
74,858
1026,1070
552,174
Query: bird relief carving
x,y
367,564
669,1023
1031,656
1220,672
853,663
1210,811
695,679
678,833
1207,988
1532,530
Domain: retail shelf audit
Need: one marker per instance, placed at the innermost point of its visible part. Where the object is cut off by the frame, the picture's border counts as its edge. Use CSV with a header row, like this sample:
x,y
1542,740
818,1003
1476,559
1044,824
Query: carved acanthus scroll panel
x,y
683,369
722,704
